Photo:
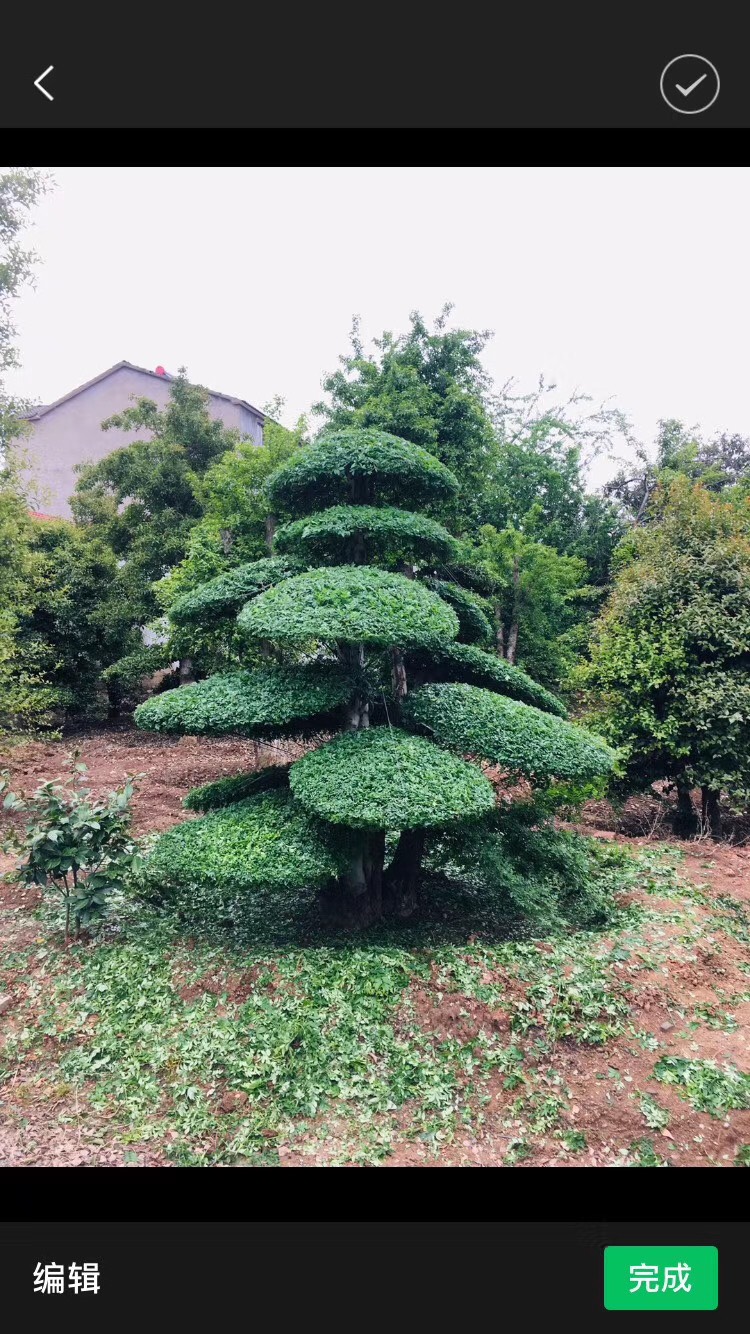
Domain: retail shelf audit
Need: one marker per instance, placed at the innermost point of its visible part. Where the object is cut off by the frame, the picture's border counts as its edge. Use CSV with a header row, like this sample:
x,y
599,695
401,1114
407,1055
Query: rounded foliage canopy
x,y
514,735
248,703
384,531
474,626
269,842
225,595
382,778
472,665
365,465
352,604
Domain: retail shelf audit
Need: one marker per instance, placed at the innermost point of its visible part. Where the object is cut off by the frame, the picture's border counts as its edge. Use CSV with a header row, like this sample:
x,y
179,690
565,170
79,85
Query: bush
x,y
258,703
351,604
79,847
345,465
385,532
517,736
382,778
237,787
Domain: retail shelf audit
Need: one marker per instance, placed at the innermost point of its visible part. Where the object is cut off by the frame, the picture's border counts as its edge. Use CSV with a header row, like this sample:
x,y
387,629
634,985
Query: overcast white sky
x,y
632,284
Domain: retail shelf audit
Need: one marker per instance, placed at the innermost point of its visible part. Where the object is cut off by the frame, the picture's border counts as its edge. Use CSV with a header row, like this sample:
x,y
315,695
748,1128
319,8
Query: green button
x,y
661,1278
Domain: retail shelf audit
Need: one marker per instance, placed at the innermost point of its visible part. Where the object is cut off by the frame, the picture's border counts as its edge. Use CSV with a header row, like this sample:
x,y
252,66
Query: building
x,y
69,431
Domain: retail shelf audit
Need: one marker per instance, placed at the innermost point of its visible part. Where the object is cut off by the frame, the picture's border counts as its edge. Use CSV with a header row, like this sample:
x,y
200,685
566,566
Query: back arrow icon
x,y
38,83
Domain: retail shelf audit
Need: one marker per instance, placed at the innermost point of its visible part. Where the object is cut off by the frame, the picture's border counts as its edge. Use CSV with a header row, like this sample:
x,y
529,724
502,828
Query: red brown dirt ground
x,y
599,1082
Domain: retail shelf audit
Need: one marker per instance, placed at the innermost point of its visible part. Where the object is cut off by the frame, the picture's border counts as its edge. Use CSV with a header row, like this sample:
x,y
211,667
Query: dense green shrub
x,y
248,703
381,786
225,595
466,662
350,604
514,735
474,624
237,787
382,532
267,842
348,466
383,778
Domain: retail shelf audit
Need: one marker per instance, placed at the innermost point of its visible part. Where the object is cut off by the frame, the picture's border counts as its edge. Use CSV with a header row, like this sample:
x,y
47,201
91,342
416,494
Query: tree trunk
x,y
512,651
401,879
500,636
398,674
685,821
186,671
356,899
512,642
270,531
710,812
227,540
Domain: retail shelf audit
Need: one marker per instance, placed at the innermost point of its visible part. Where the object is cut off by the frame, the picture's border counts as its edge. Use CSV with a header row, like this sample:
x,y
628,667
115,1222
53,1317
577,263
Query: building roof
x,y
35,413
37,514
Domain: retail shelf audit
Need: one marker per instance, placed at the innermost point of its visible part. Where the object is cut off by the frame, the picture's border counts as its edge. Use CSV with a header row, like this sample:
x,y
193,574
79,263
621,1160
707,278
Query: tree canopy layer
x,y
360,467
380,533
384,778
515,735
248,703
350,604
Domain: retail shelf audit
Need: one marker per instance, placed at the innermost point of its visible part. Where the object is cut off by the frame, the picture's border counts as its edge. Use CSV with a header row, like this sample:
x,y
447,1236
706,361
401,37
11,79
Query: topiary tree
x,y
365,629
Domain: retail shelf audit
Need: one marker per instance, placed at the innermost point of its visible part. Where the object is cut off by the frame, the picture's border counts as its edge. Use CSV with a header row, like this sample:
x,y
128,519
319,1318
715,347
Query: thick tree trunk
x,y
685,821
500,636
401,878
710,812
186,671
227,540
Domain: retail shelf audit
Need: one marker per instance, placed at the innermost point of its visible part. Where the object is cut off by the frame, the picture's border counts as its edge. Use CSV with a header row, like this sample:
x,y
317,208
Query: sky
x,y
629,284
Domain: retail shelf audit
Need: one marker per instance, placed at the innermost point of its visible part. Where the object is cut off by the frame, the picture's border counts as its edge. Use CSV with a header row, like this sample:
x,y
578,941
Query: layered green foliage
x,y
520,738
351,604
237,787
268,842
474,623
256,703
223,596
383,778
360,466
669,674
380,533
474,666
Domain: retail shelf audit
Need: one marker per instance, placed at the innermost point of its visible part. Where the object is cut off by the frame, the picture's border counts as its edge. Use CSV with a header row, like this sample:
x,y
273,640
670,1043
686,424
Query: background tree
x,y
142,500
539,598
670,658
427,386
362,634
720,464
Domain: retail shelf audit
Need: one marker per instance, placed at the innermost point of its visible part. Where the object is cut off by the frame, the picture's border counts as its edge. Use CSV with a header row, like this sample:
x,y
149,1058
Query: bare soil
x,y
603,1086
